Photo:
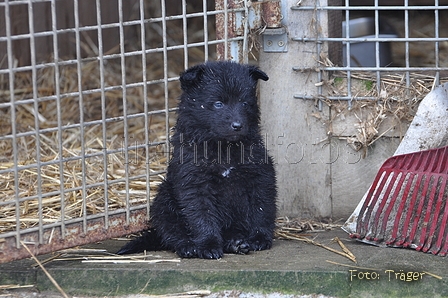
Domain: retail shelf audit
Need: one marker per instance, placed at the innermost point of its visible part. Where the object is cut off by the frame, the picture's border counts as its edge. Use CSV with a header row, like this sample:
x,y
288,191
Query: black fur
x,y
219,193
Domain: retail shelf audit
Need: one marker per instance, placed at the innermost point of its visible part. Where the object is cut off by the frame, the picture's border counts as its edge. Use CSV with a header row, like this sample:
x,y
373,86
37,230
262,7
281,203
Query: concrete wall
x,y
319,174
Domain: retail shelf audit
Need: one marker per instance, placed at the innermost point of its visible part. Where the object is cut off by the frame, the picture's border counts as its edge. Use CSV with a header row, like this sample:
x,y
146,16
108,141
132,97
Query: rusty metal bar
x,y
224,29
231,31
242,19
53,240
271,14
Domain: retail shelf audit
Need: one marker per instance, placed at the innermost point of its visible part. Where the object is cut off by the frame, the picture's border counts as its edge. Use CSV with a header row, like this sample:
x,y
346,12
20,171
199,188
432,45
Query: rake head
x,y
406,206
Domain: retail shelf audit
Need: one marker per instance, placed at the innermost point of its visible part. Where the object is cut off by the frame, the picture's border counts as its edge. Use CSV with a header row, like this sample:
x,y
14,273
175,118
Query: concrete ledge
x,y
290,267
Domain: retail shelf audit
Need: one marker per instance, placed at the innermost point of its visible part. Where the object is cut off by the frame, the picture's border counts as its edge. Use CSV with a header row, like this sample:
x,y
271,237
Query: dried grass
x,y
397,102
70,171
294,229
298,225
396,99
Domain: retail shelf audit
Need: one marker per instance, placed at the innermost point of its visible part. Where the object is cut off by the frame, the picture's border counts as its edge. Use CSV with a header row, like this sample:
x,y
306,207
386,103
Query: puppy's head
x,y
219,100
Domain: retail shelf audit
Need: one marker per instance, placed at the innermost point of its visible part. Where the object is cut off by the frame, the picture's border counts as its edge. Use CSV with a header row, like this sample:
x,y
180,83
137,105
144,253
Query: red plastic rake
x,y
407,204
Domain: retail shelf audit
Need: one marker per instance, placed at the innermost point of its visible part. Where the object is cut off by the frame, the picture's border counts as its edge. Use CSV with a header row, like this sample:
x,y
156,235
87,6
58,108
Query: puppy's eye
x,y
218,104
244,103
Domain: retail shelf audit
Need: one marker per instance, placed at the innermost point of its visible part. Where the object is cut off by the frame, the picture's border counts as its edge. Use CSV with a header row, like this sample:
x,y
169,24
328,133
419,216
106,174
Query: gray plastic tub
x,y
363,53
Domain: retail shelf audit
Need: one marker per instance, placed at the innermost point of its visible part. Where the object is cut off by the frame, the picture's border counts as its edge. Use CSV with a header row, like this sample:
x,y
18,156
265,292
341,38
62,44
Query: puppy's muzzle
x,y
236,126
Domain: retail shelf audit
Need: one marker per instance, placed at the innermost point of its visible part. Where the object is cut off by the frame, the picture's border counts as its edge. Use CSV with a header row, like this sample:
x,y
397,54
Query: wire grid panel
x,y
390,44
88,93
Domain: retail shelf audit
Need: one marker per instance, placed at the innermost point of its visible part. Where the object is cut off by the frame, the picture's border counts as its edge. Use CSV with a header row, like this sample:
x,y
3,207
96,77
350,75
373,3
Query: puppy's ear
x,y
191,77
256,73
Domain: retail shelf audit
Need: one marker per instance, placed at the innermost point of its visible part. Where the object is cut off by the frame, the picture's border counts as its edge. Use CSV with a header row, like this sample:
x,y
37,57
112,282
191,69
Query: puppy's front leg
x,y
204,225
263,210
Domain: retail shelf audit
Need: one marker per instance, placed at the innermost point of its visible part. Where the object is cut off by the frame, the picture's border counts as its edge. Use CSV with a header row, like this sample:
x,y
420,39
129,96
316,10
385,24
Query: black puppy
x,y
219,194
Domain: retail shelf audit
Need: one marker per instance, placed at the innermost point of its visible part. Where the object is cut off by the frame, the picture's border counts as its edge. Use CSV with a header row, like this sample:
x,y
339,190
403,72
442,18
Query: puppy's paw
x,y
237,246
190,250
261,245
187,250
260,242
212,253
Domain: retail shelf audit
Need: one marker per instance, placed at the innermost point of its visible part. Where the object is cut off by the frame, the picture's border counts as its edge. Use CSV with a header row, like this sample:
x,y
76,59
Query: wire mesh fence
x,y
403,44
88,93
374,70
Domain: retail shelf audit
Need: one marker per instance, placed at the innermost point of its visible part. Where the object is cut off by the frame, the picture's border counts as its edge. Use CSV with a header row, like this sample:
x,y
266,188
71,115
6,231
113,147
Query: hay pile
x,y
71,172
372,119
298,225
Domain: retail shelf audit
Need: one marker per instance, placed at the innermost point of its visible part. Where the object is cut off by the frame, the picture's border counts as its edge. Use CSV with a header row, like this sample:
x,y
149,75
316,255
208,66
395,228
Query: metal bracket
x,y
275,40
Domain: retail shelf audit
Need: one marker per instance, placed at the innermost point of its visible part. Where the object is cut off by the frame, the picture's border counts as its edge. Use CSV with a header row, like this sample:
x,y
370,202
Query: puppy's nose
x,y
236,126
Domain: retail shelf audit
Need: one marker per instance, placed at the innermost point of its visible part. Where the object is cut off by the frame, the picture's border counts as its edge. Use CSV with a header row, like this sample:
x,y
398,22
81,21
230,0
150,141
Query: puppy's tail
x,y
148,241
